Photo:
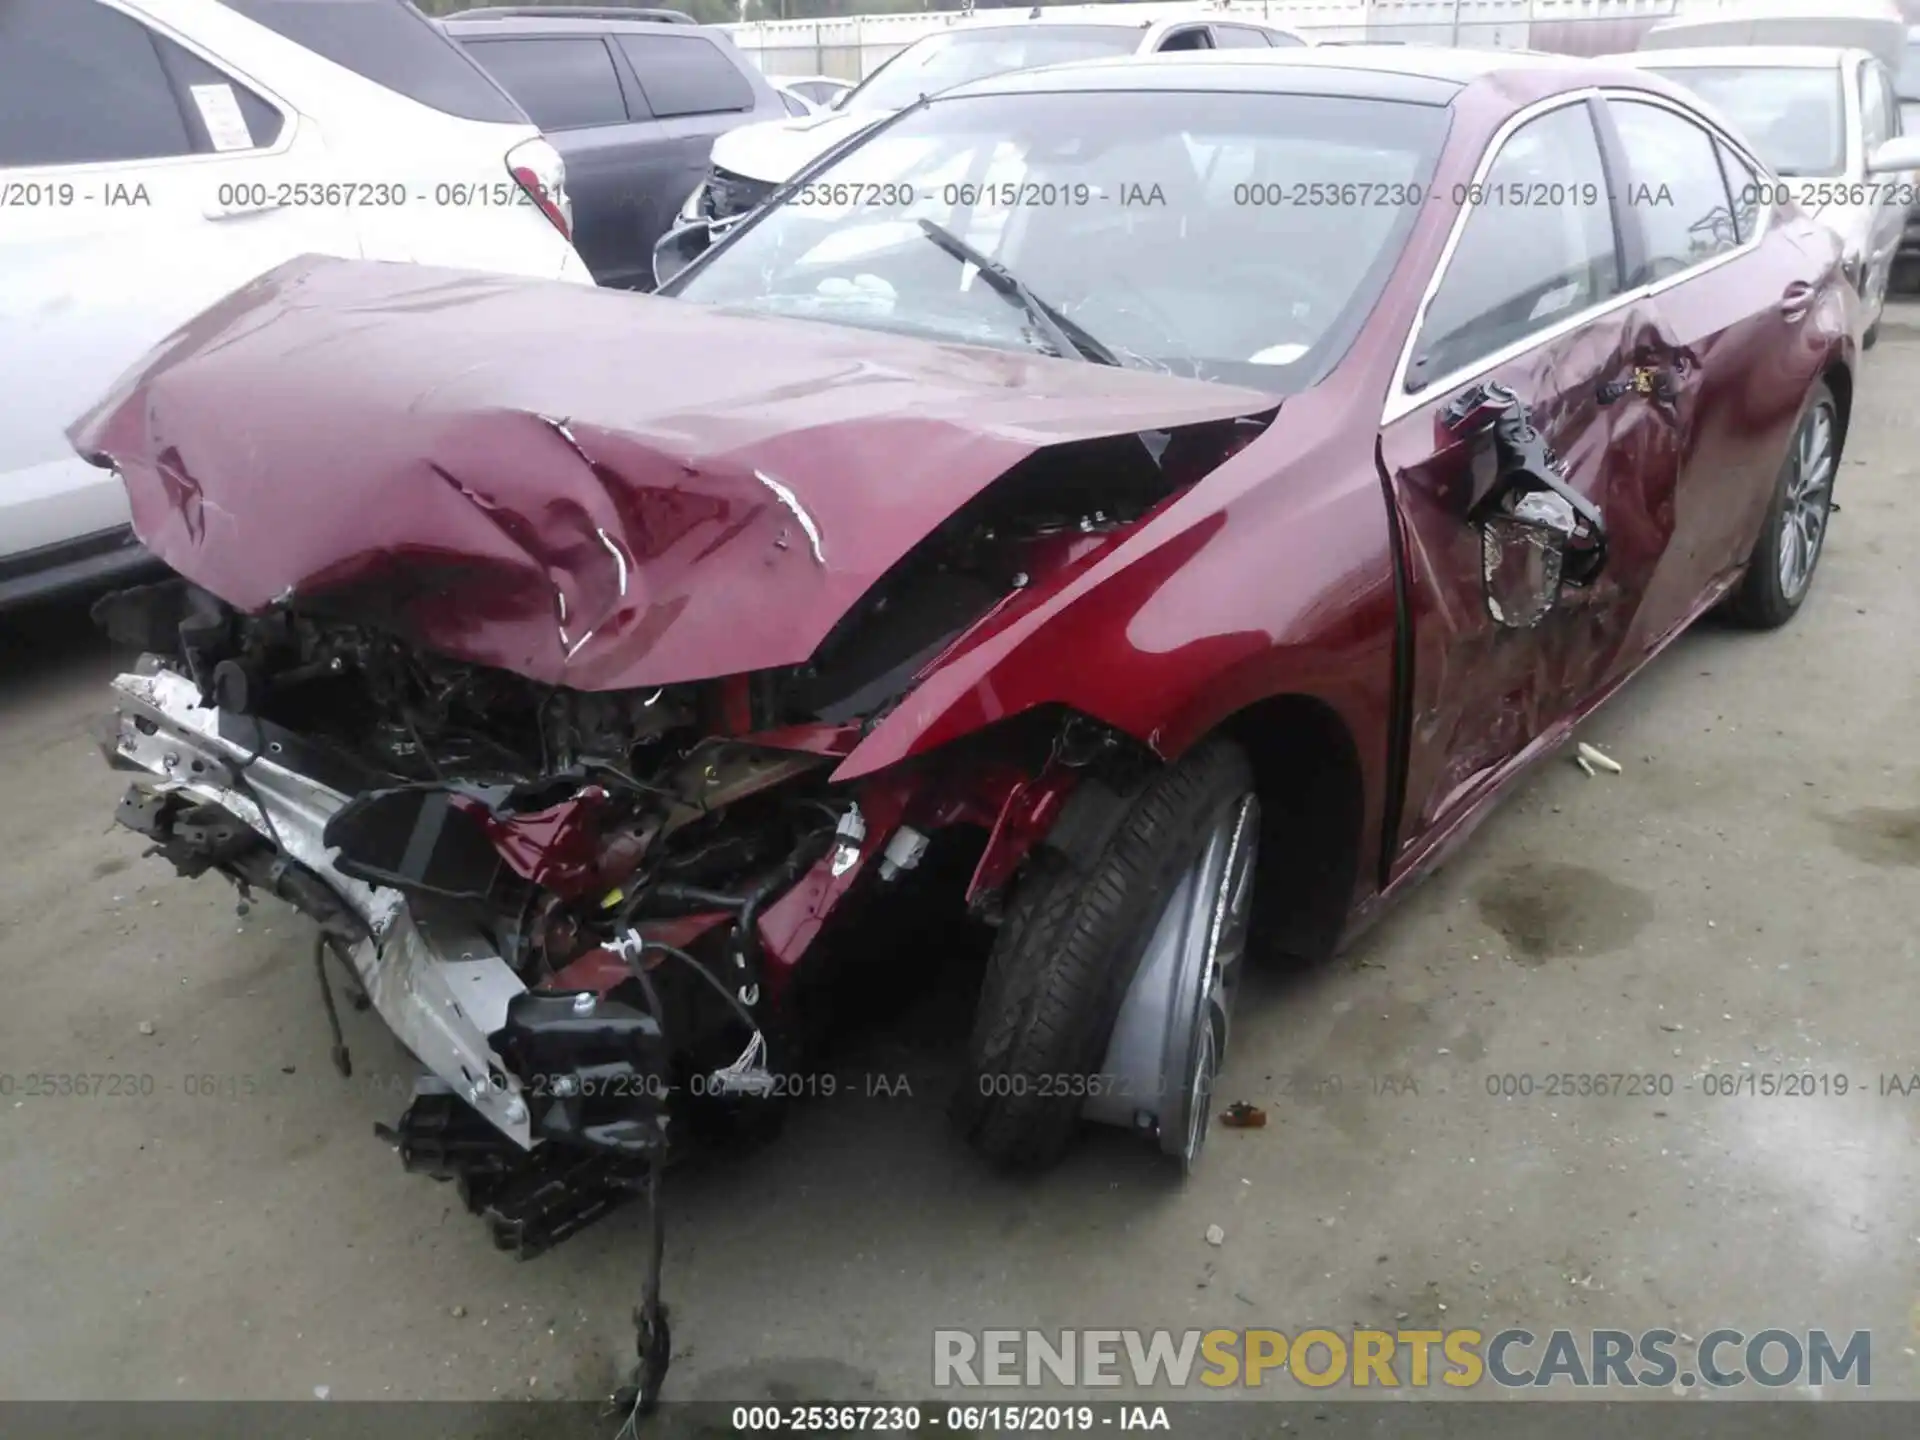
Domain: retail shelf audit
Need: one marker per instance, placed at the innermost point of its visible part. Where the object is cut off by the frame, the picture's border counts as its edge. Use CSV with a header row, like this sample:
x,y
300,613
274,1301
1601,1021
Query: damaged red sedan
x,y
1191,490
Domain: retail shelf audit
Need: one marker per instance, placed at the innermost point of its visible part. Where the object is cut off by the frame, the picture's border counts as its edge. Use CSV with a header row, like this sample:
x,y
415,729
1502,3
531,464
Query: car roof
x,y
1776,57
565,24
1003,21
1427,74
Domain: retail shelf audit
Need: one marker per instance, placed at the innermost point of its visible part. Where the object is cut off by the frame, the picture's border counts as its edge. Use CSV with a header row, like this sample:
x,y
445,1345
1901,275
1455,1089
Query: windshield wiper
x,y
1065,336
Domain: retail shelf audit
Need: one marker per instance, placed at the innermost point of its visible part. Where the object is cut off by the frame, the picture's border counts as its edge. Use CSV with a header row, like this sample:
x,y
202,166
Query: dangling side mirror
x,y
1523,554
1538,534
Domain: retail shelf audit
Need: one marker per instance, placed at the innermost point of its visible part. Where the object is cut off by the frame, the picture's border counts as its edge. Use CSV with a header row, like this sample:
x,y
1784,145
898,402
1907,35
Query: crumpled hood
x,y
776,150
588,487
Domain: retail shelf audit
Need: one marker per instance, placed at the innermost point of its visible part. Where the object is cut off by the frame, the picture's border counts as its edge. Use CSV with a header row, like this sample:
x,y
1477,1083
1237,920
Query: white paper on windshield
x,y
226,126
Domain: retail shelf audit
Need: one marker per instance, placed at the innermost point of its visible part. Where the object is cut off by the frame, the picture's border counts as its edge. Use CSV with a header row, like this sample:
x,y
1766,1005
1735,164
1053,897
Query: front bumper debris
x,y
440,987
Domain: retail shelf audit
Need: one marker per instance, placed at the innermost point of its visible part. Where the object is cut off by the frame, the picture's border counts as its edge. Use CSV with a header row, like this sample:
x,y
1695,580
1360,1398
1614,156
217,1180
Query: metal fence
x,y
851,47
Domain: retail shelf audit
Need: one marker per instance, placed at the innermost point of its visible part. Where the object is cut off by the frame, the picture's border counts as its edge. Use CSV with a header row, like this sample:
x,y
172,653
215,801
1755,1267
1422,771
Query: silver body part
x,y
441,989
1157,1078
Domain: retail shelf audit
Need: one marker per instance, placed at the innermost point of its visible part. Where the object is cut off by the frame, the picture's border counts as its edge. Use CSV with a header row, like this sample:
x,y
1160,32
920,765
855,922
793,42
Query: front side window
x,y
940,62
1226,236
562,84
1676,193
1537,247
1793,117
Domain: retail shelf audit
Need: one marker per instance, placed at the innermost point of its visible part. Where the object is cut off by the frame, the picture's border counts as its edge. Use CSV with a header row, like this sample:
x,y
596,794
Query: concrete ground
x,y
1740,902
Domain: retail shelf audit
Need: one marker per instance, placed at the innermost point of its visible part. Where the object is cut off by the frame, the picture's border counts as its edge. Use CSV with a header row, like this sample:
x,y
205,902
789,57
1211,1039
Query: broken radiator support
x,y
529,1200
597,1073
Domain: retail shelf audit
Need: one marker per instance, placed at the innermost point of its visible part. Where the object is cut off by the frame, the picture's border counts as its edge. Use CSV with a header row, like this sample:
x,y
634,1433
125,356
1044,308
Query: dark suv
x,y
631,104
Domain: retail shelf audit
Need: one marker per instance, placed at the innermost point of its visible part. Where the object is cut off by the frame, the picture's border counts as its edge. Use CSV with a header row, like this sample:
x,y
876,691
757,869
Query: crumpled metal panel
x,y
440,987
587,487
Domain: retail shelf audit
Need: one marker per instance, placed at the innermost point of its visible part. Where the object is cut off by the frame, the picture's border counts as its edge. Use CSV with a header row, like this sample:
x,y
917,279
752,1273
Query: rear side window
x,y
1239,37
392,44
1194,39
1281,41
222,114
563,84
686,75
81,83
1674,189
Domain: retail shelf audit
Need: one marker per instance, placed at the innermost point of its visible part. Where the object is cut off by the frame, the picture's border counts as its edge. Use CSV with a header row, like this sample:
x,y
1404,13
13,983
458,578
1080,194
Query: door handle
x,y
1796,300
1661,382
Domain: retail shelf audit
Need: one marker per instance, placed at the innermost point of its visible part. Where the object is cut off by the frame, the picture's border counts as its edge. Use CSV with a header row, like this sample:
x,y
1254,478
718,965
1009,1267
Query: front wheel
x,y
1072,943
1780,569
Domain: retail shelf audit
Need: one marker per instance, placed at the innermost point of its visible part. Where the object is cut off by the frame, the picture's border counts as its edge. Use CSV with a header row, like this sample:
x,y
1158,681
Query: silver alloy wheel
x,y
1803,520
1222,930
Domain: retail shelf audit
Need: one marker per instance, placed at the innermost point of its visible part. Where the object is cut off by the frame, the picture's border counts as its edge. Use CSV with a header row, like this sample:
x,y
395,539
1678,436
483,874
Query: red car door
x,y
1739,341
1532,294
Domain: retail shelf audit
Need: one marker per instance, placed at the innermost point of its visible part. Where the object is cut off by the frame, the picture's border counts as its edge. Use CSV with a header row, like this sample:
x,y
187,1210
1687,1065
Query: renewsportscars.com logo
x,y
1394,1359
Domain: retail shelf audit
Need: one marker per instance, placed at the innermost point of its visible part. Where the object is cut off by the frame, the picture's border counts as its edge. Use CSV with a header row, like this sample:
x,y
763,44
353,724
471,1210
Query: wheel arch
x,y
1311,786
1839,379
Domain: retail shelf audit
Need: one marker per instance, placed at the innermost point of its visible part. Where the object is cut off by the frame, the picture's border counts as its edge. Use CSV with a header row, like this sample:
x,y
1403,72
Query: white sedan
x,y
1817,116
157,154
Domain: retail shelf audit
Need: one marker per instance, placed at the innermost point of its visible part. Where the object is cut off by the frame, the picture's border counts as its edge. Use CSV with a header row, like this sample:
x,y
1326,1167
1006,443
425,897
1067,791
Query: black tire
x,y
1067,951
1763,601
1872,337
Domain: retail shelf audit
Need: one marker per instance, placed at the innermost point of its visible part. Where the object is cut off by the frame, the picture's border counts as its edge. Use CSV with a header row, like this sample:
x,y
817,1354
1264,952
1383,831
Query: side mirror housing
x,y
1523,553
1538,534
1891,157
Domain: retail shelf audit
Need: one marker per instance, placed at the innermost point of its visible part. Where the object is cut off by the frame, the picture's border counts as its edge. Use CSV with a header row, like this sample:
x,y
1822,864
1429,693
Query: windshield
x,y
1791,117
1226,236
940,62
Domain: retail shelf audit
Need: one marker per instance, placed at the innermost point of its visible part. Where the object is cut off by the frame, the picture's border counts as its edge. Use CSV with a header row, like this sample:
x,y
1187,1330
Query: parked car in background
x,y
822,90
1876,26
632,105
1906,91
749,163
1817,116
796,103
157,154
